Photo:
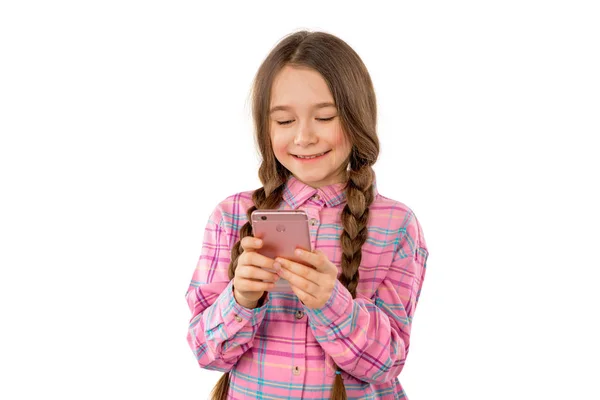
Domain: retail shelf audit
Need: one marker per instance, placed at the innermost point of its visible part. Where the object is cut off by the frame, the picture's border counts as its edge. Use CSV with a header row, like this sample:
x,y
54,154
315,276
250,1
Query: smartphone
x,y
282,231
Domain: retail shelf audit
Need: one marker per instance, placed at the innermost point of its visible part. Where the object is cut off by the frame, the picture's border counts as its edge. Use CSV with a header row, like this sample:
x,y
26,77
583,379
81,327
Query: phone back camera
x,y
264,217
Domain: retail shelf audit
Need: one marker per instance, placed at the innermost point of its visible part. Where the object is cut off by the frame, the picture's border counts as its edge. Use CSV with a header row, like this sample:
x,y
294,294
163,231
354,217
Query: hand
x,y
248,285
313,286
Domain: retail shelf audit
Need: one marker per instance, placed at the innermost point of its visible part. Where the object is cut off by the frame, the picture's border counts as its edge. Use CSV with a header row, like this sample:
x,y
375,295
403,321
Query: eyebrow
x,y
286,108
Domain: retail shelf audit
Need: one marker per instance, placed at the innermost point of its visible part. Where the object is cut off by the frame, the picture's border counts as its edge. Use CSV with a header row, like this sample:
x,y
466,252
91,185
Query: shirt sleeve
x,y
220,330
369,338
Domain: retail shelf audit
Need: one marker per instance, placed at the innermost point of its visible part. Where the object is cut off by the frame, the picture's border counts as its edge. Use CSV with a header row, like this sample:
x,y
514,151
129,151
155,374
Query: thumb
x,y
327,266
321,253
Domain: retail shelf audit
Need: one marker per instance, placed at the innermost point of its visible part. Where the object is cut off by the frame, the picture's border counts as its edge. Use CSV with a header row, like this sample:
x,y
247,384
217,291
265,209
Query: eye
x,y
285,122
326,119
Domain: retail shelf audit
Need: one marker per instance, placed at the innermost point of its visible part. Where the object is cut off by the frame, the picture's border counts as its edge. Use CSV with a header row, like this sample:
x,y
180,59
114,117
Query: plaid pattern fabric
x,y
283,350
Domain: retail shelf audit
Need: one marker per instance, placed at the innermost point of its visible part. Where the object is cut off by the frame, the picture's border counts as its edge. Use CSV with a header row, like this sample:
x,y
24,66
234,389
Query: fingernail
x,y
298,252
277,266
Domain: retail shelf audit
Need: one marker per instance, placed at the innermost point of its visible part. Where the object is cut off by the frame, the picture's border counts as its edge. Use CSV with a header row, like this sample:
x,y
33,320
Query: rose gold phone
x,y
282,231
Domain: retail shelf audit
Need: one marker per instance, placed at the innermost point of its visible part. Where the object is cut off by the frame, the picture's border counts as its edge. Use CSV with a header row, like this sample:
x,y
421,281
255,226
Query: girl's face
x,y
305,129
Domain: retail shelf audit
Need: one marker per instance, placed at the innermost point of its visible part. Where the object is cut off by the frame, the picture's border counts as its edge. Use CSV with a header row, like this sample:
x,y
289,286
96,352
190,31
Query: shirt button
x,y
316,197
314,221
296,370
238,318
299,314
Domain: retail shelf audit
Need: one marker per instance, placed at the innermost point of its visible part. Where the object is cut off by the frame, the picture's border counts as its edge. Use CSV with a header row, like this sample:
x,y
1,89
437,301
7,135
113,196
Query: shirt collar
x,y
296,193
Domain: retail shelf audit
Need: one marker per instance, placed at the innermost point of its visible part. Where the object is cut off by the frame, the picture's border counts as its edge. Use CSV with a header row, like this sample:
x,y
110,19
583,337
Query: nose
x,y
304,135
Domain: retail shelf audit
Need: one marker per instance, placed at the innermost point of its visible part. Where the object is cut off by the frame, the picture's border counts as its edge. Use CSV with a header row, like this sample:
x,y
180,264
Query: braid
x,y
355,216
261,201
267,197
245,230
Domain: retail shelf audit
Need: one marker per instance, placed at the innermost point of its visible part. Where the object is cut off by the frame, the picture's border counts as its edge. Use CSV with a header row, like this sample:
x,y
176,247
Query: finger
x,y
255,259
306,298
250,243
298,281
249,285
317,259
307,273
256,273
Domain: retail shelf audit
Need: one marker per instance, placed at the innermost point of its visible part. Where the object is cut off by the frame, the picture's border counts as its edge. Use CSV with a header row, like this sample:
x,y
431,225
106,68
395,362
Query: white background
x,y
123,123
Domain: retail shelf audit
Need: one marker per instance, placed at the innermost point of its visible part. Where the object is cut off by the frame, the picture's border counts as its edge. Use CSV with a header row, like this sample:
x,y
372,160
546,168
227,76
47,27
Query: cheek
x,y
279,145
341,143
337,139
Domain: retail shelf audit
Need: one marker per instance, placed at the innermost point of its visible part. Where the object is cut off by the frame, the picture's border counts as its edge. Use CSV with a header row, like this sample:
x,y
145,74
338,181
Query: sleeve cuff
x,y
234,315
338,306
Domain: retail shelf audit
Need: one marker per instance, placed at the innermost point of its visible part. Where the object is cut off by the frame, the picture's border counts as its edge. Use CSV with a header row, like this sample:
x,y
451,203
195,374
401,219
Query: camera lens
x,y
264,217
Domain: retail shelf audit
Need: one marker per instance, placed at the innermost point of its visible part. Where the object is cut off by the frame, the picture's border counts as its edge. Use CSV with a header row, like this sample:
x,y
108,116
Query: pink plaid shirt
x,y
283,350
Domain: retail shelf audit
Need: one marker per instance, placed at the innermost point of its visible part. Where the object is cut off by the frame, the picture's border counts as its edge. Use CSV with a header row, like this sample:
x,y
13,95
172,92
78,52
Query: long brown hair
x,y
353,94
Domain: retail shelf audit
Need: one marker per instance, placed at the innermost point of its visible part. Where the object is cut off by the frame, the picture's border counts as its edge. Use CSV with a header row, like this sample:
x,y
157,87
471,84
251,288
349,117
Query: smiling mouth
x,y
313,156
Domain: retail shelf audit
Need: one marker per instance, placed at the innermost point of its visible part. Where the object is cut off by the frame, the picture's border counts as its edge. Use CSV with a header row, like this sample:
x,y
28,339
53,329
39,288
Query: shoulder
x,y
231,211
384,207
398,216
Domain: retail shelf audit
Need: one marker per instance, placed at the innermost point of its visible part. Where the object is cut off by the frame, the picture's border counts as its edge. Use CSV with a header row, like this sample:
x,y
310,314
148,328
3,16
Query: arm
x,y
369,338
220,330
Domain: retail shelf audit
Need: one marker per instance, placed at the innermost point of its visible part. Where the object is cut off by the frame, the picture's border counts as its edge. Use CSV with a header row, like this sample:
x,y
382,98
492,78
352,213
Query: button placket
x,y
313,224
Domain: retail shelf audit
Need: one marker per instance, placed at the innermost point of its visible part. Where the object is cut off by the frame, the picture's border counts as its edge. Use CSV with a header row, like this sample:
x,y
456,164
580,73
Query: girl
x,y
344,331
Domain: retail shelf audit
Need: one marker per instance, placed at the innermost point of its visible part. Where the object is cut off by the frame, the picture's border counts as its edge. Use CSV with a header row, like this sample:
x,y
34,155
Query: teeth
x,y
309,157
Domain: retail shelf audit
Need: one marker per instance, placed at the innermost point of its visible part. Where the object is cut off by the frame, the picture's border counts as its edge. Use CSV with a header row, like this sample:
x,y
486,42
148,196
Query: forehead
x,y
299,87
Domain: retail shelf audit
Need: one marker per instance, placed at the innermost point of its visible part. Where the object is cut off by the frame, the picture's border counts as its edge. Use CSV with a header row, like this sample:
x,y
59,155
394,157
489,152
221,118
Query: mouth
x,y
310,157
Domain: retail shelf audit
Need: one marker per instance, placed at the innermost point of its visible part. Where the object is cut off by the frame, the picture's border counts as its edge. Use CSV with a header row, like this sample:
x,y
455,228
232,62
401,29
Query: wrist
x,y
242,301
